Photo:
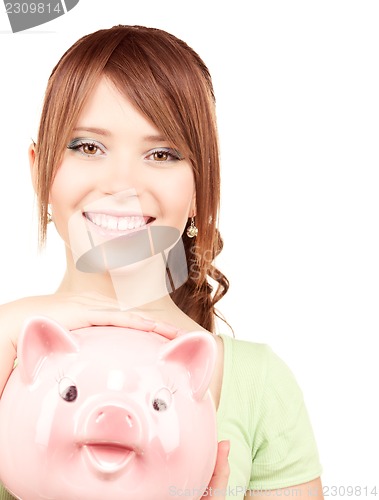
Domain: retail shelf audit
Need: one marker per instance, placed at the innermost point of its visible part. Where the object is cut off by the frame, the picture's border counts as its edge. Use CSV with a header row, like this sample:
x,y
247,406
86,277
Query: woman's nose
x,y
122,175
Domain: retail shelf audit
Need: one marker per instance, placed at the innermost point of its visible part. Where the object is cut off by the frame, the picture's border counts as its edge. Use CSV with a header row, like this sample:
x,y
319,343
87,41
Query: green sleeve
x,y
284,450
4,495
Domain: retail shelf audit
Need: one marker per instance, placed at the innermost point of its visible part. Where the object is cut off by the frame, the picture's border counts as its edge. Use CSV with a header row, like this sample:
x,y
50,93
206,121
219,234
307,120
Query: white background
x,y
297,86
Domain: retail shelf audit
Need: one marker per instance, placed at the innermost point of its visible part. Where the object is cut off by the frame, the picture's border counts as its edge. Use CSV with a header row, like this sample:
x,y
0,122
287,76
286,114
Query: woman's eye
x,y
86,148
90,149
163,155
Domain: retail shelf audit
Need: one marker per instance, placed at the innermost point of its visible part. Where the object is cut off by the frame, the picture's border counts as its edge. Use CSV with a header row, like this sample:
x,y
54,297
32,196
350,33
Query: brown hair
x,y
170,84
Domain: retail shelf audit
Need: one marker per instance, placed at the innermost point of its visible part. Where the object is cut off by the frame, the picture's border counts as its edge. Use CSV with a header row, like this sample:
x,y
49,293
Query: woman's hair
x,y
171,86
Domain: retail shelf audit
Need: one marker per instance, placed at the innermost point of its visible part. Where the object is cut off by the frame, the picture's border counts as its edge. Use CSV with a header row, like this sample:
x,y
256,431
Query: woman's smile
x,y
116,225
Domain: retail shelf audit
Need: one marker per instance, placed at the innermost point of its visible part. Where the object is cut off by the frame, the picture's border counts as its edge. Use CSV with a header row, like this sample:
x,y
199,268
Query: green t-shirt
x,y
262,413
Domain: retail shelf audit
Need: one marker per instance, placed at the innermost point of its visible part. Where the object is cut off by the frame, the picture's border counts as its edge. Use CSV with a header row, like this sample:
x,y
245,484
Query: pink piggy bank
x,y
108,413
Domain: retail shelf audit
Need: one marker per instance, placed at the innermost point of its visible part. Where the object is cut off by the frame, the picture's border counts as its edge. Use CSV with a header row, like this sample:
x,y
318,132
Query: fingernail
x,y
148,322
169,328
181,332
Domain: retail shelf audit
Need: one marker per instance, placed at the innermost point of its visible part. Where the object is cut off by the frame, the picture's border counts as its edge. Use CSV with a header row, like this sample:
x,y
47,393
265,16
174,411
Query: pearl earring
x,y
192,229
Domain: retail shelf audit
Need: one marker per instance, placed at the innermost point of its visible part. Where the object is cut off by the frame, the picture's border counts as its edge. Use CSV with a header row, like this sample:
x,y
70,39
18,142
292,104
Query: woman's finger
x,y
167,330
114,317
220,477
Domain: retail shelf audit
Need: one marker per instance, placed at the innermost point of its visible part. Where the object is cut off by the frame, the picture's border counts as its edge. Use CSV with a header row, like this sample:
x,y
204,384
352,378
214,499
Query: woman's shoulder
x,y
254,376
246,358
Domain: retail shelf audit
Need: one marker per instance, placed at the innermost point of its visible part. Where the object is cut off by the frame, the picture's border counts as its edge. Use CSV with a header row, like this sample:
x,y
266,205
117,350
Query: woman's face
x,y
118,175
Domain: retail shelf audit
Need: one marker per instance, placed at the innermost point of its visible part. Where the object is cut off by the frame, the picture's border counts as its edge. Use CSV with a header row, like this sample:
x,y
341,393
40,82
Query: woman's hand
x,y
75,311
220,477
72,311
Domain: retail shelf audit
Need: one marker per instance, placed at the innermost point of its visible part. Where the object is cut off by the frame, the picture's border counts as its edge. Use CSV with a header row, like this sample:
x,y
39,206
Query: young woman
x,y
126,165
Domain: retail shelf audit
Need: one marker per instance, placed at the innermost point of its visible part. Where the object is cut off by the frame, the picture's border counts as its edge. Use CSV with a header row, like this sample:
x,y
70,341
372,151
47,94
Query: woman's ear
x,y
32,163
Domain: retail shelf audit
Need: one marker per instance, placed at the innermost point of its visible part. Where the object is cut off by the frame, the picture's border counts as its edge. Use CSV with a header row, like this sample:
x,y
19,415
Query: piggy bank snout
x,y
111,438
114,423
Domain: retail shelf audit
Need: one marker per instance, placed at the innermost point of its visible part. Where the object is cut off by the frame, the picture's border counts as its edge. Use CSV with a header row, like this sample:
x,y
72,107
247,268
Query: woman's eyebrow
x,y
107,133
95,130
155,138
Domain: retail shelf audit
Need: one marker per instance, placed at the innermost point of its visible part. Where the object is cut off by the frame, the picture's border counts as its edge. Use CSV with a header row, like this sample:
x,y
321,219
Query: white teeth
x,y
112,222
122,224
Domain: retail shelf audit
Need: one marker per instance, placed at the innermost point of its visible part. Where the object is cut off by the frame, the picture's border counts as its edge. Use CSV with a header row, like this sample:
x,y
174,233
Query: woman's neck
x,y
140,287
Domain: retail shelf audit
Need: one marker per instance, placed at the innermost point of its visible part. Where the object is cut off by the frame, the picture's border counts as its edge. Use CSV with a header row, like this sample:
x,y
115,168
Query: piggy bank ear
x,y
197,351
40,337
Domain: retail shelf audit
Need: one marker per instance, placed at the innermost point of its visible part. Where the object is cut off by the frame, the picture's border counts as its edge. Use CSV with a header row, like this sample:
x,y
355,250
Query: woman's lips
x,y
117,225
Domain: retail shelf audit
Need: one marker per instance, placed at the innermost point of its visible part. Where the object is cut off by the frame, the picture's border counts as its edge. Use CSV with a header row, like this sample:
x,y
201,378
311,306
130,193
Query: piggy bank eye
x,y
67,389
162,399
